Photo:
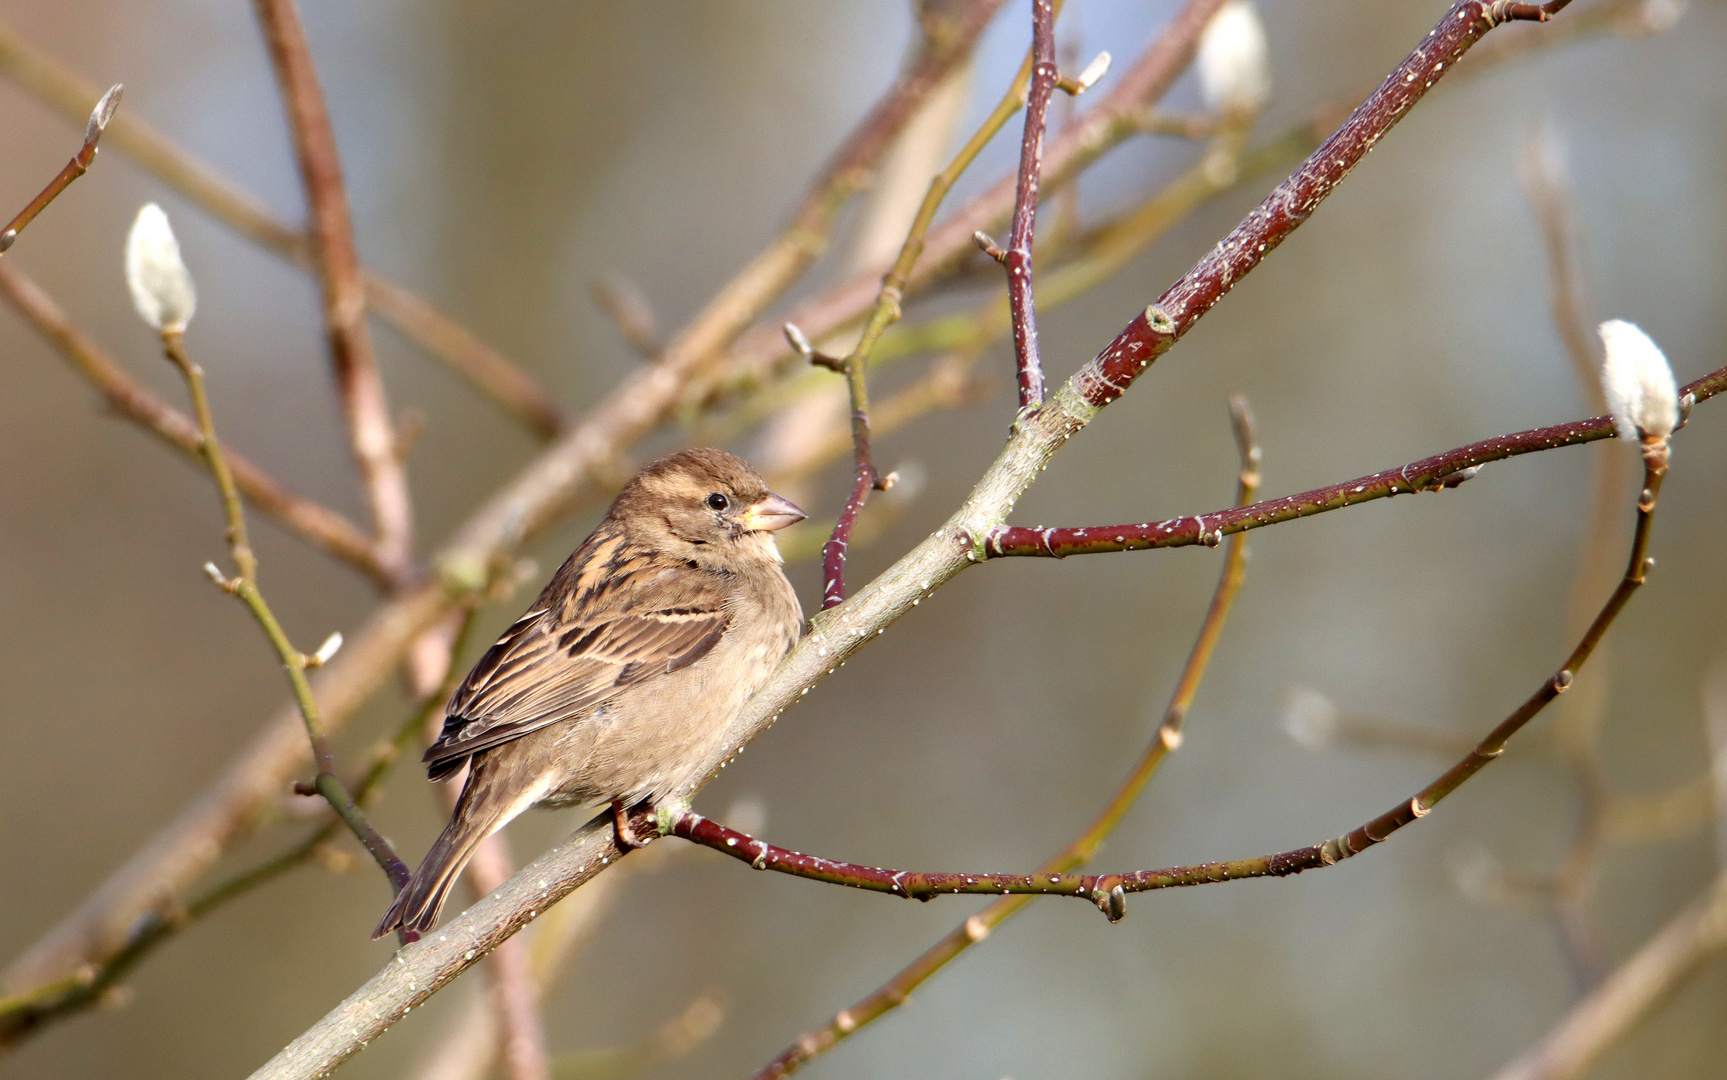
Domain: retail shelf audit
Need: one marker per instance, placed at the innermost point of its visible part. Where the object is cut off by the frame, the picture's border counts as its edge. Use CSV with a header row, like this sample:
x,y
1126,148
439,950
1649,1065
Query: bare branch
x,y
417,320
80,163
244,586
1631,994
1436,473
371,433
550,486
1016,260
318,525
1082,848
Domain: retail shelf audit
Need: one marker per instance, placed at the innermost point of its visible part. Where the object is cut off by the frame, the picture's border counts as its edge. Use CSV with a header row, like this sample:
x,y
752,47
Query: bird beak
x,y
772,513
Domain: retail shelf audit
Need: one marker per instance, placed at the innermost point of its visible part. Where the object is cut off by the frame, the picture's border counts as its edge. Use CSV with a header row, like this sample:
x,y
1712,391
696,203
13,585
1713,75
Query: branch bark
x,y
371,433
422,968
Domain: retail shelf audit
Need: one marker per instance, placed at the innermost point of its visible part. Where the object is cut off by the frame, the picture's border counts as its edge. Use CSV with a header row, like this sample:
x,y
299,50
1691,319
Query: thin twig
x,y
840,632
1109,891
549,487
1577,728
1082,848
318,525
887,309
245,586
80,163
1016,259
515,995
415,318
763,351
371,433
1437,473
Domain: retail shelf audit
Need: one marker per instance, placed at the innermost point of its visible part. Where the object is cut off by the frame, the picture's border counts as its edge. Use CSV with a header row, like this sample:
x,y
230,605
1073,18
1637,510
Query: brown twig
x,y
758,354
1436,473
834,635
547,488
371,434
318,525
1109,891
1578,725
80,163
1016,259
244,585
513,989
417,320
1082,848
855,364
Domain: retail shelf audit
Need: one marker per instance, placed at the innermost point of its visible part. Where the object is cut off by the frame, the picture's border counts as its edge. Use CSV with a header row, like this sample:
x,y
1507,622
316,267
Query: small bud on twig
x,y
326,652
102,113
1639,384
988,246
161,286
1087,78
1234,72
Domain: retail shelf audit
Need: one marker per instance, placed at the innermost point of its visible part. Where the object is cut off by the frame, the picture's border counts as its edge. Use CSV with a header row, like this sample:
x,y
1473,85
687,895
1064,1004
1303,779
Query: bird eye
x,y
718,501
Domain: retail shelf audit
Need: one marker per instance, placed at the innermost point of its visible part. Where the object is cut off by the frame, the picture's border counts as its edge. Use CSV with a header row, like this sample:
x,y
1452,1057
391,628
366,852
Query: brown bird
x,y
621,678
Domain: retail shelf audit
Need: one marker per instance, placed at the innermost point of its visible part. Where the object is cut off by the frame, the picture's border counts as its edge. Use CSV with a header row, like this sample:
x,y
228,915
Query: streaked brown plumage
x,y
620,679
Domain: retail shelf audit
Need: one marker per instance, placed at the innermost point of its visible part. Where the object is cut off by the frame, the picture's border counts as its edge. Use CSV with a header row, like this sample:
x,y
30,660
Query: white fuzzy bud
x,y
1234,69
327,651
1639,384
1310,718
161,286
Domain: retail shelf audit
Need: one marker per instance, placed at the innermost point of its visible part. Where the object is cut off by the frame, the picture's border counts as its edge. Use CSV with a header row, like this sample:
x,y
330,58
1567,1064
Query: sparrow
x,y
618,683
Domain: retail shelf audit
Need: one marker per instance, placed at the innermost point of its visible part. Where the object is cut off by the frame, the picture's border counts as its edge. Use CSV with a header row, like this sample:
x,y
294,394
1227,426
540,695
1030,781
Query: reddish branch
x,y
1107,376
370,431
1078,145
1429,474
1168,737
1109,891
1017,258
80,163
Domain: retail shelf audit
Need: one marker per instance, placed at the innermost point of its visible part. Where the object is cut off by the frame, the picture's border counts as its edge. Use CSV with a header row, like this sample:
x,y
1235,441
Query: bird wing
x,y
626,620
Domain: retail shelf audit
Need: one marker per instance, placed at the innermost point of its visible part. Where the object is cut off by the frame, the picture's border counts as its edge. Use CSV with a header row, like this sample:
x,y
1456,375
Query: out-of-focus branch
x,y
514,992
80,163
24,1013
1631,993
471,1046
417,320
371,433
1578,725
550,486
1082,848
424,967
318,525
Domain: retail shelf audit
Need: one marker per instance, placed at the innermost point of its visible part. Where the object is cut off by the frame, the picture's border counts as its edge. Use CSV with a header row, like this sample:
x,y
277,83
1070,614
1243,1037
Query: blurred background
x,y
502,156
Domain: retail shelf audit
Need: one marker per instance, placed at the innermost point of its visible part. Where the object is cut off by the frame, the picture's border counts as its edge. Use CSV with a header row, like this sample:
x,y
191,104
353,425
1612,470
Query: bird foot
x,y
627,836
